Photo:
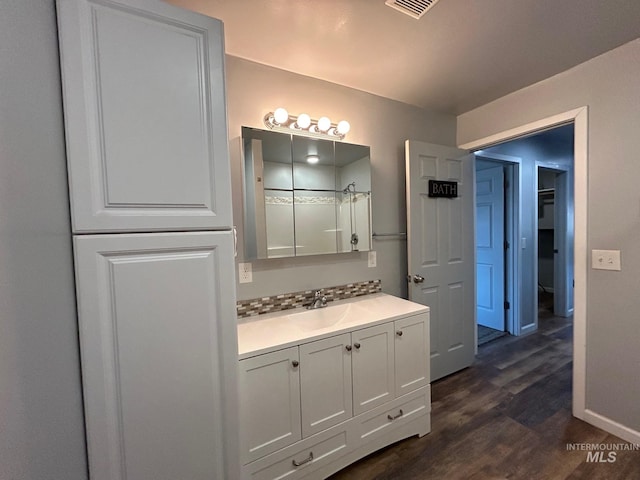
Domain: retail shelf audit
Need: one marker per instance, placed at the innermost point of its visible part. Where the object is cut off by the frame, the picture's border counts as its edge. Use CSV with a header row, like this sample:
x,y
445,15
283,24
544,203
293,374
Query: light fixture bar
x,y
303,124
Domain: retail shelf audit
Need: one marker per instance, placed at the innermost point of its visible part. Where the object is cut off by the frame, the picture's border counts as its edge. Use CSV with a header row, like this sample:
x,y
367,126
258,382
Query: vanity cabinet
x,y
310,409
150,198
325,383
411,354
270,403
145,117
373,367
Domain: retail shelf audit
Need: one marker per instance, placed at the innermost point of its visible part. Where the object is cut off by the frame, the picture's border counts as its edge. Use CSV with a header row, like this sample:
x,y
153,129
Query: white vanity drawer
x,y
392,415
304,457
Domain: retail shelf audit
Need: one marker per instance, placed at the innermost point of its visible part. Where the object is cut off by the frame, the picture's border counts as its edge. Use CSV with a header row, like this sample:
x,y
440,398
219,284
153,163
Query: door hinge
x,y
507,306
506,245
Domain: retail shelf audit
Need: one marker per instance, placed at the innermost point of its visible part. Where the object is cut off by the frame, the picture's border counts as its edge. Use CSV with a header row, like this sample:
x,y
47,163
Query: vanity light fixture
x,y
313,159
280,120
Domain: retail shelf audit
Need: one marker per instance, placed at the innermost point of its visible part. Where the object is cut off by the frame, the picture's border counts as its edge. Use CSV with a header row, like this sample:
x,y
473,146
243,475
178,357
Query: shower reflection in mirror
x,y
304,196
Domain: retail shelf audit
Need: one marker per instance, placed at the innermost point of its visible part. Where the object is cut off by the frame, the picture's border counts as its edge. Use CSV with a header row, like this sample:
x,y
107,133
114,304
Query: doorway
x,y
529,229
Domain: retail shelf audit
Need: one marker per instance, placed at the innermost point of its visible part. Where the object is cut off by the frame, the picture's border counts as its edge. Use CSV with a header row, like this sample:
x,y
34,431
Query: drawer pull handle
x,y
348,347
306,460
357,345
399,333
295,363
396,416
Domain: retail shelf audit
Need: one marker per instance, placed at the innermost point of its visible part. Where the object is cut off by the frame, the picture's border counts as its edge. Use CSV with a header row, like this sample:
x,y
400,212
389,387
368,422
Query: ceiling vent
x,y
413,8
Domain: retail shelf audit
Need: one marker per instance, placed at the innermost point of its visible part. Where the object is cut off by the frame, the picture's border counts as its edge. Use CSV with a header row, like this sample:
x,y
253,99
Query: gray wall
x,y
41,424
384,125
609,86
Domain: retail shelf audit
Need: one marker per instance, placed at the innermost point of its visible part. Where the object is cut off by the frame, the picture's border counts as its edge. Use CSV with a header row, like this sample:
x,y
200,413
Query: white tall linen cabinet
x,y
149,185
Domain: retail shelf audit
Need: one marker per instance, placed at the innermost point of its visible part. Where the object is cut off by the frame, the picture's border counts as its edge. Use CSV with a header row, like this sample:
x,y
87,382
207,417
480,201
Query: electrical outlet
x,y
372,258
605,259
244,273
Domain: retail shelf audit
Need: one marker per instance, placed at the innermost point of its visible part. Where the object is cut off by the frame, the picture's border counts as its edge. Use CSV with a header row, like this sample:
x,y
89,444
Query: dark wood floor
x,y
508,416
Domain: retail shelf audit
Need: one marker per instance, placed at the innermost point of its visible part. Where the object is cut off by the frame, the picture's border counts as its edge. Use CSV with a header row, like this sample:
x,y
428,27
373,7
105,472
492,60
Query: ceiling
x,y
461,54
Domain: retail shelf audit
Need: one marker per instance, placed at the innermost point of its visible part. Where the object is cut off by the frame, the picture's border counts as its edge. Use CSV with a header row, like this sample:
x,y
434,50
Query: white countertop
x,y
274,331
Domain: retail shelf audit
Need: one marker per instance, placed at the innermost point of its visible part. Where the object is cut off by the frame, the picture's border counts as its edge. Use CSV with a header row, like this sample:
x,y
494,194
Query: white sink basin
x,y
291,327
319,318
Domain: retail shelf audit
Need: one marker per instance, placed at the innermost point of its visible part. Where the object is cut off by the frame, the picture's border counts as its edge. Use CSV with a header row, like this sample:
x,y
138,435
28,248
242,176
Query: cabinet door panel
x,y
269,403
154,319
373,367
145,117
325,383
412,359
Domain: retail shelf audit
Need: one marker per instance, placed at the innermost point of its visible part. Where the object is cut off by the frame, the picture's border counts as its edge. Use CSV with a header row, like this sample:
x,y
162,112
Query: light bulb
x,y
303,121
343,127
281,116
312,159
324,124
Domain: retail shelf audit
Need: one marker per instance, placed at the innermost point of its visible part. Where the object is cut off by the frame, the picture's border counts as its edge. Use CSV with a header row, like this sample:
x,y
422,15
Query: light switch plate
x,y
373,258
245,274
605,259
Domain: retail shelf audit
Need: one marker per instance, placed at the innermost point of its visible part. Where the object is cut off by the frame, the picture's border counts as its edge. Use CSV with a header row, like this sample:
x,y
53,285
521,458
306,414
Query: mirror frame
x,y
256,181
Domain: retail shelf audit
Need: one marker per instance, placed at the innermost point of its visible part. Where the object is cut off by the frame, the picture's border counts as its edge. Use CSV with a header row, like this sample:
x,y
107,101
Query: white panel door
x,y
490,248
373,367
269,403
159,354
325,383
411,353
441,252
145,118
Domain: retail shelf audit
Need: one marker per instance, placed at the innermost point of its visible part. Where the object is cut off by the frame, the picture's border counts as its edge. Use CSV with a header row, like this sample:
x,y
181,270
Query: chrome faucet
x,y
318,301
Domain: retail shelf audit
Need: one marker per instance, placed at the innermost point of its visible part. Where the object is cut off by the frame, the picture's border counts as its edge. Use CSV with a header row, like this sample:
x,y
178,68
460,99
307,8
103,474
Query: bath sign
x,y
443,189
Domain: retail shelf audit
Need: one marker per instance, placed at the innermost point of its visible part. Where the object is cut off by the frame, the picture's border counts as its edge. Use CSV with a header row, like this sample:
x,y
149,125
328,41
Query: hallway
x,y
507,416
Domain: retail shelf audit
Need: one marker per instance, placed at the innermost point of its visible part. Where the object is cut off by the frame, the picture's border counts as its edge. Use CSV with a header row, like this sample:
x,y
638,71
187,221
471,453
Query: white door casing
x,y
440,236
563,246
579,117
490,247
156,387
145,116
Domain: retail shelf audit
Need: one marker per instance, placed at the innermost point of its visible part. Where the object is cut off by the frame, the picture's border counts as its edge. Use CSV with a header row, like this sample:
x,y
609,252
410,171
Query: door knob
x,y
418,279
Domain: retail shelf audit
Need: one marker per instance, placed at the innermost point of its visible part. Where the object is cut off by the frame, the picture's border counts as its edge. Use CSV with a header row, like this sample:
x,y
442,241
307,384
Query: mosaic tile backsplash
x,y
286,301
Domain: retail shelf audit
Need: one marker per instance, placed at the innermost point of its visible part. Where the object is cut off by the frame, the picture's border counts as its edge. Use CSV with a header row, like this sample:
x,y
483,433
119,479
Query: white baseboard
x,y
612,427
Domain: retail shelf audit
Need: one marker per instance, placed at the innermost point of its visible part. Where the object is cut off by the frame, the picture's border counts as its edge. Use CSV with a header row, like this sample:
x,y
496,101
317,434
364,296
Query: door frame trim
x,y
512,233
562,196
579,117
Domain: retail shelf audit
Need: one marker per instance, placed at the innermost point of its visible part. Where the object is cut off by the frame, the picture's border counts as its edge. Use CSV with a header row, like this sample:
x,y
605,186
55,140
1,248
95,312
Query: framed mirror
x,y
304,196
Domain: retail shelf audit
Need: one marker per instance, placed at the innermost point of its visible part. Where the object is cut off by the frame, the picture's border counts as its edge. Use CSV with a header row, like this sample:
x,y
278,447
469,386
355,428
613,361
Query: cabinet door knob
x,y
399,333
295,363
348,347
357,345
